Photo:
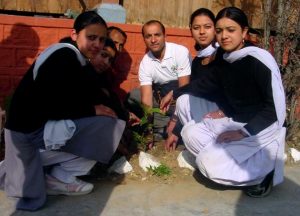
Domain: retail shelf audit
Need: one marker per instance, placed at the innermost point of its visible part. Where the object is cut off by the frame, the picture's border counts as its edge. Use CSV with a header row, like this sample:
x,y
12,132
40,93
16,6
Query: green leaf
x,y
157,110
161,170
144,120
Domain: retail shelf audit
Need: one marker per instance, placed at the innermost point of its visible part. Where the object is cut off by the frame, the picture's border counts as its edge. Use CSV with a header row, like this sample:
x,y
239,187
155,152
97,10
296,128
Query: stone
x,y
186,160
147,160
295,154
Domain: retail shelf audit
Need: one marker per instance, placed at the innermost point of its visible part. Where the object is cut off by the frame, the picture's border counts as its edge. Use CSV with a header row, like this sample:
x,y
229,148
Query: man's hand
x,y
166,101
171,142
230,136
105,111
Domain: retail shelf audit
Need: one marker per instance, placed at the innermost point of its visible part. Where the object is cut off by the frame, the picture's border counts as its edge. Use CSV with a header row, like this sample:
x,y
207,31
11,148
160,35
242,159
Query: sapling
x,y
143,132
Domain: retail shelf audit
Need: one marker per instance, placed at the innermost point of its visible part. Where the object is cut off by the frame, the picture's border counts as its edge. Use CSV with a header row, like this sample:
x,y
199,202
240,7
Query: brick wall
x,y
23,38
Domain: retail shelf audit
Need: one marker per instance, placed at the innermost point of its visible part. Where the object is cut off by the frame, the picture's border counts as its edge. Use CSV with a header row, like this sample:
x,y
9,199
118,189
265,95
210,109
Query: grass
x,y
161,170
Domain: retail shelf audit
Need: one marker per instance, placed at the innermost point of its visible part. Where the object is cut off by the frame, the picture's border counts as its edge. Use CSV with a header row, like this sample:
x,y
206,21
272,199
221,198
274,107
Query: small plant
x,y
139,139
143,132
161,170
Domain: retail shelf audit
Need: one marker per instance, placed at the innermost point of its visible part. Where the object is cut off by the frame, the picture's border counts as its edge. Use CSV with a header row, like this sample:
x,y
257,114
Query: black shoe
x,y
263,189
99,171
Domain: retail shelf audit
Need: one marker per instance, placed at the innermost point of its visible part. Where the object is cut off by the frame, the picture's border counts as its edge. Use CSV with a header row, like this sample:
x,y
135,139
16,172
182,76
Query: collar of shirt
x,y
166,56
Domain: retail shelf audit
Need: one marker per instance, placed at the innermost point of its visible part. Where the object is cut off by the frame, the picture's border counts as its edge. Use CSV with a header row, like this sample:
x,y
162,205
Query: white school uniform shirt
x,y
175,63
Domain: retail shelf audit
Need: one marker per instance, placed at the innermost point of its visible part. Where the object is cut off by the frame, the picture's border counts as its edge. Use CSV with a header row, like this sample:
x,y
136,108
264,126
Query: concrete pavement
x,y
188,197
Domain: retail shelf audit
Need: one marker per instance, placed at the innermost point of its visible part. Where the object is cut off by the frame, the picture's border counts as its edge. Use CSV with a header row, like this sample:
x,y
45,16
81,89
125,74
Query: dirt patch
x,y
167,158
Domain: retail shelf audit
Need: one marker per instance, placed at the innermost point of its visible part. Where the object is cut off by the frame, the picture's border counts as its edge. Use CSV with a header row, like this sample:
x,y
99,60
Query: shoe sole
x,y
55,193
263,194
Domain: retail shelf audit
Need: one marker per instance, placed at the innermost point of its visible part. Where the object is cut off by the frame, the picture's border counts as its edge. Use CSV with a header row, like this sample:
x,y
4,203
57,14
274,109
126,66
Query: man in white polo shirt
x,y
165,67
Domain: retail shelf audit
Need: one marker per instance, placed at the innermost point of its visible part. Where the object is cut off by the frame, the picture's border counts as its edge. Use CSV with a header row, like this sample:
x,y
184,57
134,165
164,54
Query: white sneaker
x,y
78,187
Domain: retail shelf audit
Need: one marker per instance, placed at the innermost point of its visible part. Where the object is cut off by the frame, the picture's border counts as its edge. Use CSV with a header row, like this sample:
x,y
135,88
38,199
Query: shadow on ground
x,y
92,204
188,197
283,200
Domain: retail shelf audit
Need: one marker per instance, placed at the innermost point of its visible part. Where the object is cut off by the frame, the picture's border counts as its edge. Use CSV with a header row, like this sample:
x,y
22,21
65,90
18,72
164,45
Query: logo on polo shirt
x,y
174,68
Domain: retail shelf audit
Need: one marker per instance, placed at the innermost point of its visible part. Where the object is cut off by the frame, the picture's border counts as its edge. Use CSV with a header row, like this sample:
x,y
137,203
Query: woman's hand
x,y
133,119
230,136
166,101
171,142
215,115
105,111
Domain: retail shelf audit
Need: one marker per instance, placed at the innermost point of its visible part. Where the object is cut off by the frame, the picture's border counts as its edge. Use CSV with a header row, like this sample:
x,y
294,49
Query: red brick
x,y
139,44
13,71
134,84
125,85
180,40
132,28
63,33
7,57
36,21
24,37
47,36
4,71
7,71
178,32
5,85
128,85
1,33
20,71
132,76
186,41
25,57
130,41
138,59
20,35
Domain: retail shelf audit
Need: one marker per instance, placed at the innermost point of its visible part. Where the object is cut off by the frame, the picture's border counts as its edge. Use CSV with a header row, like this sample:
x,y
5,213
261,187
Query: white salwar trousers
x,y
66,165
238,163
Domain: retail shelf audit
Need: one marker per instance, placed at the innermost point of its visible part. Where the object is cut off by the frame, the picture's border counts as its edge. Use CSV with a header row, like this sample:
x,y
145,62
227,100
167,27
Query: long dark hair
x,y
202,12
87,18
234,14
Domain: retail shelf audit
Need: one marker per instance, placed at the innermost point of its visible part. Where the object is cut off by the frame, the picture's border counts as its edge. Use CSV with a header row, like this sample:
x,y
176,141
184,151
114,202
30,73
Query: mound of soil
x,y
169,159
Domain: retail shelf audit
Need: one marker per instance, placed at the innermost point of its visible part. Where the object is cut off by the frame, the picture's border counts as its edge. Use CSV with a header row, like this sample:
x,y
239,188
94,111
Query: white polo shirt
x,y
175,63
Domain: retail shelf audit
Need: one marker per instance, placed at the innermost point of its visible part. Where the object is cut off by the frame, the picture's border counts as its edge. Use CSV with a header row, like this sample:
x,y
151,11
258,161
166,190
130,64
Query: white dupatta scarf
x,y
208,51
56,133
51,49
